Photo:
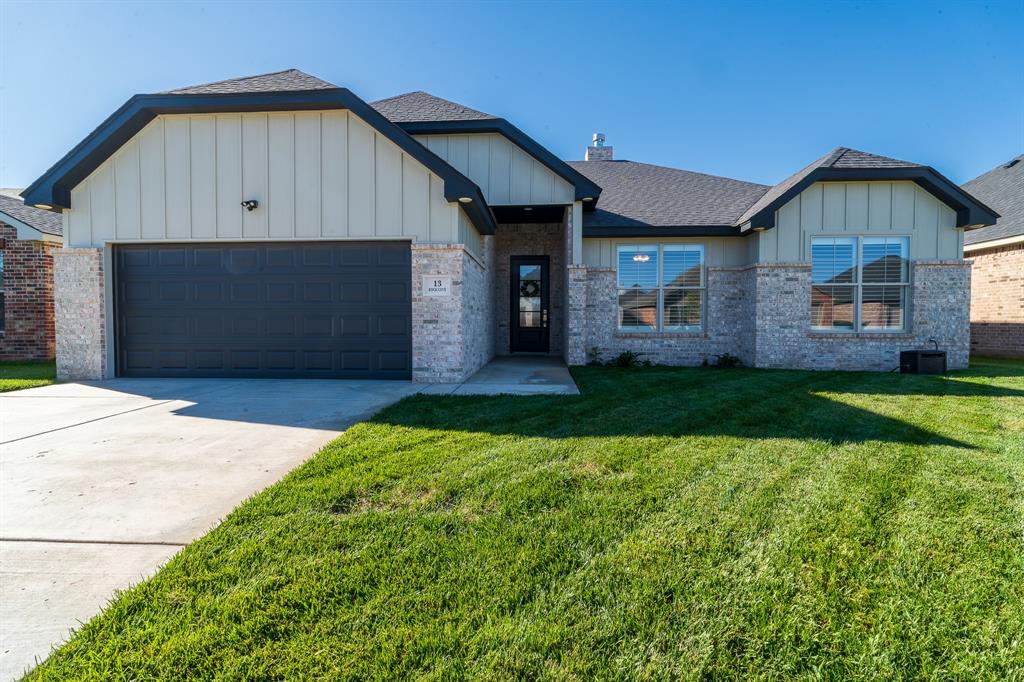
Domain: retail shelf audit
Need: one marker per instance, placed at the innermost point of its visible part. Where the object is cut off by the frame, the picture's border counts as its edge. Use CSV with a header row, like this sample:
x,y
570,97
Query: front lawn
x,y
15,376
668,523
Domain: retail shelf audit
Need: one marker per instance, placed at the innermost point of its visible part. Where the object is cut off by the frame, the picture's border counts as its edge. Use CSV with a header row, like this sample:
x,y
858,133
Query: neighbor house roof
x,y
288,91
663,201
844,163
422,106
1002,188
46,222
289,80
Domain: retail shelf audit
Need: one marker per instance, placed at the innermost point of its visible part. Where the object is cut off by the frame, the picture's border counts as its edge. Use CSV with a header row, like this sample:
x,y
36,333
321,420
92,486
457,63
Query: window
x,y
859,283
661,287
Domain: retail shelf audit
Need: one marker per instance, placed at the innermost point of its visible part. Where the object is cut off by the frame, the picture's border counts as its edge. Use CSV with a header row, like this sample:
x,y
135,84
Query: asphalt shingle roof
x,y
46,222
841,157
279,81
414,107
1002,189
641,195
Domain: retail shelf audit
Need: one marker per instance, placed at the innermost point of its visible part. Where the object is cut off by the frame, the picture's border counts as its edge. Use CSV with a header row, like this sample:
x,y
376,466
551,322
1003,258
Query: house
x,y
28,238
280,226
997,255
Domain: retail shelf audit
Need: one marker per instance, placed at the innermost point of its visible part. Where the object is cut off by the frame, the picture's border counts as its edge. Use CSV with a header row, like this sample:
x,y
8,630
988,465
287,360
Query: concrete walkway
x,y
515,375
102,483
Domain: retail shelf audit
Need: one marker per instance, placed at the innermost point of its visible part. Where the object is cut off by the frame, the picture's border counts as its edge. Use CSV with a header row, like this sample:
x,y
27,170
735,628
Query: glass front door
x,y
529,304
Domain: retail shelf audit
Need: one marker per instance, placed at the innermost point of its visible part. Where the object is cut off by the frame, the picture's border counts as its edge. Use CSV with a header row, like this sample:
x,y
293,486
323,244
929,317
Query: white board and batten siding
x,y
506,174
862,208
316,175
718,251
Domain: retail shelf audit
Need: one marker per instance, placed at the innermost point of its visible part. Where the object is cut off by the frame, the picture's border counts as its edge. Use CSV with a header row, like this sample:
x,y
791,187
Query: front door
x,y
529,305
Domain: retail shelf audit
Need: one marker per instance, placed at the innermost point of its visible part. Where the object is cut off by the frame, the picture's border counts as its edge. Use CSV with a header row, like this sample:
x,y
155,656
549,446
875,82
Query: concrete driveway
x,y
103,482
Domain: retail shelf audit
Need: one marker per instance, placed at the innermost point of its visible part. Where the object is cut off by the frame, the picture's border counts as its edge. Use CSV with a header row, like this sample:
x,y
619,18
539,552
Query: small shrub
x,y
727,360
594,356
627,358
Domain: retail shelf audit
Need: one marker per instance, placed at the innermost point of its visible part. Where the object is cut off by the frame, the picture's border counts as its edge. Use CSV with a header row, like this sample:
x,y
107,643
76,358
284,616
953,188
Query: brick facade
x,y
761,314
452,335
80,314
997,301
28,297
542,239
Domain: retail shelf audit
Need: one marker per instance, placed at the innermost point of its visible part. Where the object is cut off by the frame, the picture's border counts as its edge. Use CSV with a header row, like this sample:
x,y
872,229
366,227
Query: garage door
x,y
310,309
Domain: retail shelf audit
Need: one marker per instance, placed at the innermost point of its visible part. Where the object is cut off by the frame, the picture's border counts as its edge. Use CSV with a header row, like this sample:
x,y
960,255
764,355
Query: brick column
x,y
942,308
80,313
782,314
576,315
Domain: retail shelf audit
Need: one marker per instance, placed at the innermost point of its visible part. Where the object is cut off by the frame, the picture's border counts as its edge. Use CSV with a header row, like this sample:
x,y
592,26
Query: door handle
x,y
544,317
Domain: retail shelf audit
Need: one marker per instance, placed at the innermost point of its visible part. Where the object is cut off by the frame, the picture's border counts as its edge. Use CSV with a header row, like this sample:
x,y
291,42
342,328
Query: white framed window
x,y
859,283
661,287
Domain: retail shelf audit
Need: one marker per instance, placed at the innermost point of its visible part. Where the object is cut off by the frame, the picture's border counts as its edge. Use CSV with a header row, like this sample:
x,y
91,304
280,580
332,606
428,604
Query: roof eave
x,y
970,213
634,231
585,188
54,186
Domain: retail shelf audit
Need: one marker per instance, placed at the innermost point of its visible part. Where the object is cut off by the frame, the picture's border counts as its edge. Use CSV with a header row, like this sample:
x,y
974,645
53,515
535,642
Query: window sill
x,y
660,335
821,334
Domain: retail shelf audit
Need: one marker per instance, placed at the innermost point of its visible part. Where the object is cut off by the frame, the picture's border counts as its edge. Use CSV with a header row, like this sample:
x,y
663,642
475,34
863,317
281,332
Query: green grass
x,y
18,375
667,524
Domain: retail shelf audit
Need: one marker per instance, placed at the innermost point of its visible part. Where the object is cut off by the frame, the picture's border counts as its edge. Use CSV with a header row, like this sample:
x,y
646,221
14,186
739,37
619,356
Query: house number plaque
x,y
437,285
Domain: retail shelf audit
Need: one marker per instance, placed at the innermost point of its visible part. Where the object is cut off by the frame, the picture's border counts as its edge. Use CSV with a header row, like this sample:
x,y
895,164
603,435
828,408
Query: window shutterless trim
x,y
660,288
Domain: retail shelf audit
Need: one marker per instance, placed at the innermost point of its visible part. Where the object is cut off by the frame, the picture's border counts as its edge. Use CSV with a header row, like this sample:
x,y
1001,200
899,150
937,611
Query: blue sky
x,y
747,90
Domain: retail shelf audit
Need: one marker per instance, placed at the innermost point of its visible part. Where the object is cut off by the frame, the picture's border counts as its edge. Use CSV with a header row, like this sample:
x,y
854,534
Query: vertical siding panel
x,y
176,156
787,231
104,215
388,185
229,176
415,200
126,176
361,175
437,144
440,212
903,206
79,218
281,186
564,192
949,247
203,176
926,221
834,206
254,173
542,186
811,214
307,178
522,177
499,173
339,171
856,206
880,206
151,181
480,160
458,153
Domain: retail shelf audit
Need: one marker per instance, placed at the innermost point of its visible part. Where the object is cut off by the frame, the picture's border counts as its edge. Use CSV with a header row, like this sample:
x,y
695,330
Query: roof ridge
x,y
836,154
241,79
673,168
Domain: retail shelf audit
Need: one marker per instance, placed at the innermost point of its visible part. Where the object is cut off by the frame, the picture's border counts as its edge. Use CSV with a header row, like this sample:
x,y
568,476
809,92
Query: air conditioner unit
x,y
923,362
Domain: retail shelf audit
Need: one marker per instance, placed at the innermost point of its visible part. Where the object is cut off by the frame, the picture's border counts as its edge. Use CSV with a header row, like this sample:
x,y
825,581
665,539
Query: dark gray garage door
x,y
310,309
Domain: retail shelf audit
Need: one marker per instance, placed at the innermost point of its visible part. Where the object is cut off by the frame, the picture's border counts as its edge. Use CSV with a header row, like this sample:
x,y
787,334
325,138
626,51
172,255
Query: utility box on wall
x,y
923,362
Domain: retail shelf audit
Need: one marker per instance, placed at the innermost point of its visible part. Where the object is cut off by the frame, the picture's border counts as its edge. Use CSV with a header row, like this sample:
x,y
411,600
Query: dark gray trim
x,y
519,215
585,187
54,186
664,231
969,211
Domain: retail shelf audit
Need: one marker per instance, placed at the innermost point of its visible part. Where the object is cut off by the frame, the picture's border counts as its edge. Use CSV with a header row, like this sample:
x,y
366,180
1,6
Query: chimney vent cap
x,y
598,139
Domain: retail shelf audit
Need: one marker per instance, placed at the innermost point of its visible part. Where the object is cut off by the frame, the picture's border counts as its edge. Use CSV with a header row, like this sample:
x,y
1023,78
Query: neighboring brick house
x,y
28,238
279,225
997,254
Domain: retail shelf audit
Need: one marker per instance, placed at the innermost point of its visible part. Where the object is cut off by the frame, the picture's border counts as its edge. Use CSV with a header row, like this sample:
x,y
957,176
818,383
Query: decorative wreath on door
x,y
529,289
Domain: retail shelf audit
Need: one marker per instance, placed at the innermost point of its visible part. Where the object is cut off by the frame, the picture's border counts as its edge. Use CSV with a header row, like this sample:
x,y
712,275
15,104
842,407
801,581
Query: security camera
x,y
250,204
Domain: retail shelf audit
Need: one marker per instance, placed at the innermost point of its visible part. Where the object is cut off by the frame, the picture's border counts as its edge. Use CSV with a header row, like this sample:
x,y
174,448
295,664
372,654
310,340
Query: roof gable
x,y
845,164
1002,188
53,188
422,106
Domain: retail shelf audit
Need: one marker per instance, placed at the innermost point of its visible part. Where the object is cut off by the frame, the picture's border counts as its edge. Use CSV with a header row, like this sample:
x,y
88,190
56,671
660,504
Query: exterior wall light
x,y
45,207
465,200
250,204
588,198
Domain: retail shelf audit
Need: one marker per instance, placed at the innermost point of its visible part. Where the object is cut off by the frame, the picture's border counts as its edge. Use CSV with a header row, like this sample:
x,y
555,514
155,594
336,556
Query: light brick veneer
x,y
79,297
28,297
761,314
997,301
452,336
